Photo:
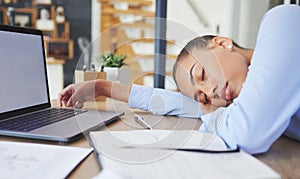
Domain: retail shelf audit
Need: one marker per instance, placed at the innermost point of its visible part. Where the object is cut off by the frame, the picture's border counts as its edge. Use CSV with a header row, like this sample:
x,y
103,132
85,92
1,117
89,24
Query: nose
x,y
210,90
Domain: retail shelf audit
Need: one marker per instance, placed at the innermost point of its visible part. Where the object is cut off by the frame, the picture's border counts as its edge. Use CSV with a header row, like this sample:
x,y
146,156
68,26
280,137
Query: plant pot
x,y
121,75
124,75
111,73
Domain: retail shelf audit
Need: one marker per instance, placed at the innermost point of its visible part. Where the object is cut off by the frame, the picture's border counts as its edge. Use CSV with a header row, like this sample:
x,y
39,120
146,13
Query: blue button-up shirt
x,y
269,102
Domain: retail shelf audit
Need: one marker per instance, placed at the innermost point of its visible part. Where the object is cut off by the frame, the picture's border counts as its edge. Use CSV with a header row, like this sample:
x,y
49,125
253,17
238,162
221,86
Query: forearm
x,y
113,90
163,102
157,101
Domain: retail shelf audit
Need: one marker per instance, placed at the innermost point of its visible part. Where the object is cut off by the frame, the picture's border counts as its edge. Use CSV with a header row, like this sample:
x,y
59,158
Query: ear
x,y
223,42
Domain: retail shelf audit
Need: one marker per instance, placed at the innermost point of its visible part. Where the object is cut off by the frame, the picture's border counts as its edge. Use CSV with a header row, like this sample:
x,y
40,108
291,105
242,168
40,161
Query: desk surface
x,y
283,156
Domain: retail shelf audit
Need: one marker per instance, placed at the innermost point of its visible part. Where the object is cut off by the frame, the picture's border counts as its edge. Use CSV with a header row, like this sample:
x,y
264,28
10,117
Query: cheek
x,y
184,86
187,91
235,70
236,75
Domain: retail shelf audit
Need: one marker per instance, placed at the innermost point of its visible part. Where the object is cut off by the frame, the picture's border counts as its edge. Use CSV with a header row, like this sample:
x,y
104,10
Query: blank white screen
x,y
23,80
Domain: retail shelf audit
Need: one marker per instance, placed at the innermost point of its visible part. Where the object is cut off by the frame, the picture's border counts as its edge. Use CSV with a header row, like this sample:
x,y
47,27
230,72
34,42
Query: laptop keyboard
x,y
39,119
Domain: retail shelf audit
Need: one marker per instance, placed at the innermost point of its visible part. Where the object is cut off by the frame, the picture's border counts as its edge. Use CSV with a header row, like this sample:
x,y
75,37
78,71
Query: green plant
x,y
111,59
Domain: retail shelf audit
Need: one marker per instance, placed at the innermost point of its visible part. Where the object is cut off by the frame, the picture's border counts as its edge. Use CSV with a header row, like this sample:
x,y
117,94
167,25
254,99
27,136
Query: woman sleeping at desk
x,y
247,97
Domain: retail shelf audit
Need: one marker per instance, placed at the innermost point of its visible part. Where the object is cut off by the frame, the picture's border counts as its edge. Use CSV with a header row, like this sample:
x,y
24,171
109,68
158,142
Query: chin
x,y
228,103
220,103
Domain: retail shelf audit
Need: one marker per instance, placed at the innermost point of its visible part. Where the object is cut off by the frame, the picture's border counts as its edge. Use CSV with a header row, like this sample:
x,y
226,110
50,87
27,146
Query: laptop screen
x,y
23,77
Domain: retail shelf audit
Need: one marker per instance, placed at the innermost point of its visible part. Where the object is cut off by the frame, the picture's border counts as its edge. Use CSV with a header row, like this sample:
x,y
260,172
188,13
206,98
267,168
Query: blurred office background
x,y
127,27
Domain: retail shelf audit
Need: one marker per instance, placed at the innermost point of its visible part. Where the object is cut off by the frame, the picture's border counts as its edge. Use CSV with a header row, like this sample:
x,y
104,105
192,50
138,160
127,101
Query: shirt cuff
x,y
139,97
214,122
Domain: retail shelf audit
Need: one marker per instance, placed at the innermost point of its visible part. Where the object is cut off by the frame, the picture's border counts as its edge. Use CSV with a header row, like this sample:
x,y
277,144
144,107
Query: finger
x,y
59,100
64,96
69,103
72,100
64,102
78,105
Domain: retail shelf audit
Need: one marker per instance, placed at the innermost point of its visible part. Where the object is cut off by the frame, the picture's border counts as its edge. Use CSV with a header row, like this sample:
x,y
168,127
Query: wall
x,y
238,19
96,27
78,12
251,13
217,15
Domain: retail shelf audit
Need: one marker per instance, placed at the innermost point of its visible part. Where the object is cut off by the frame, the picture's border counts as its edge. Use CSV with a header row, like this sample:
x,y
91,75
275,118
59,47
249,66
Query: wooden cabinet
x,y
46,16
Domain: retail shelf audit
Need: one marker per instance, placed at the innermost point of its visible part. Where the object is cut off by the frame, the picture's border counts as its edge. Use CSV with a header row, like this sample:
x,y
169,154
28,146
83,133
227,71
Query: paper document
x,y
146,154
25,160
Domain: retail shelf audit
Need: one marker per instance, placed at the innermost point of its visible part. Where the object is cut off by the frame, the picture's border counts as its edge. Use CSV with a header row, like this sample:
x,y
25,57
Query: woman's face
x,y
214,76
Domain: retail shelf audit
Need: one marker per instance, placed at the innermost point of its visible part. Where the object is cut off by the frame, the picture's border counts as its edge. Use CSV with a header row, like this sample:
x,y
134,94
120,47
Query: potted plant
x,y
110,62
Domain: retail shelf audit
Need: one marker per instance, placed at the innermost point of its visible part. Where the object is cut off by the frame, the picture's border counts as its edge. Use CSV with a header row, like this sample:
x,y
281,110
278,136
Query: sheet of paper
x,y
26,160
159,138
136,161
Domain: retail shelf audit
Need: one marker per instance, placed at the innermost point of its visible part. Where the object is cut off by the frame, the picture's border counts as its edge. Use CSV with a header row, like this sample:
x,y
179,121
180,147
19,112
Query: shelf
x,y
59,48
151,56
149,40
151,73
139,2
142,25
56,35
42,3
136,12
55,62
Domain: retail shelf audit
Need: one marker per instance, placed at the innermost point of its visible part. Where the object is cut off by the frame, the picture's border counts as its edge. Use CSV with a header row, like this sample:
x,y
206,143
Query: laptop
x,y
25,109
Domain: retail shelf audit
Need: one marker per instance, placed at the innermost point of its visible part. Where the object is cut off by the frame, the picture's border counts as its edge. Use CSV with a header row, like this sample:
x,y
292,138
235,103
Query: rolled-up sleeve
x,y
163,102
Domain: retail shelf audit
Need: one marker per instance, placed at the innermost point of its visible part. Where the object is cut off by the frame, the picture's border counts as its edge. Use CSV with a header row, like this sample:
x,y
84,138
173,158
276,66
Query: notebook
x,y
25,109
173,154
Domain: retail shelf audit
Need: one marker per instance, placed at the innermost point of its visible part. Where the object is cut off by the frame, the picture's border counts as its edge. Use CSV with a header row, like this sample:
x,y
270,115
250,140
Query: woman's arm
x,y
163,102
157,101
75,95
113,90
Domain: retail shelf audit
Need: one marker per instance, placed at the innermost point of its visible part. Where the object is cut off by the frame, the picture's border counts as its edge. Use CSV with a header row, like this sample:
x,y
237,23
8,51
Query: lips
x,y
226,93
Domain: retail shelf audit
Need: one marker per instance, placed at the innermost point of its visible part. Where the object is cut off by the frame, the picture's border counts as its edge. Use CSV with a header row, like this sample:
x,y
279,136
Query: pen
x,y
102,67
93,67
98,158
84,68
142,122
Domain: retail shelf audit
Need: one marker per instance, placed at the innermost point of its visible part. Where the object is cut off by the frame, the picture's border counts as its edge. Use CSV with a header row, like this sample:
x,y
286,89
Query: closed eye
x,y
191,74
201,97
202,77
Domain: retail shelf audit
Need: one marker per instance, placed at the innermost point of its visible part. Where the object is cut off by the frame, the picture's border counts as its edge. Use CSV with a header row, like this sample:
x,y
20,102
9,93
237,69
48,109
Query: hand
x,y
76,94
